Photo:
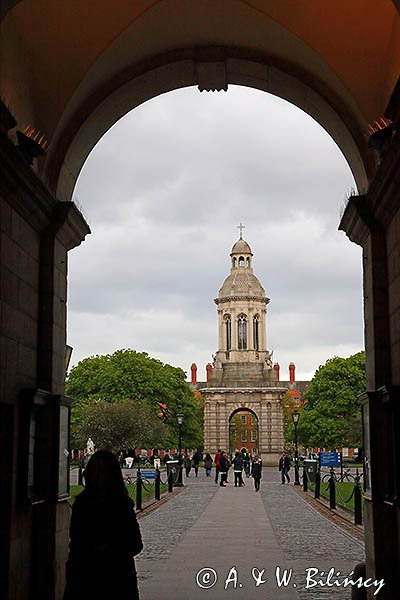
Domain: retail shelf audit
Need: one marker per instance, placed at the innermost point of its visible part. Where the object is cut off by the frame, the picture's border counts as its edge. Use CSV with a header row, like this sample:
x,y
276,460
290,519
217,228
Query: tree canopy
x,y
119,425
331,415
133,376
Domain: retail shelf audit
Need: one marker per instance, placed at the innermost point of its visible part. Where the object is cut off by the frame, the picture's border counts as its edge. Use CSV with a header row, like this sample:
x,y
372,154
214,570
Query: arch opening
x,y
244,431
78,133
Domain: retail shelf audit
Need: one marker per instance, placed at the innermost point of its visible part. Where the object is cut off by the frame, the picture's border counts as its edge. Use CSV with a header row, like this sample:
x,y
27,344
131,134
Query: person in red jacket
x,y
217,461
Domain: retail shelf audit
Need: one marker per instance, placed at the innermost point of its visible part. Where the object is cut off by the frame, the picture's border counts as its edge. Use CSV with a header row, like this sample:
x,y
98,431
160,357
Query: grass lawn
x,y
146,494
343,492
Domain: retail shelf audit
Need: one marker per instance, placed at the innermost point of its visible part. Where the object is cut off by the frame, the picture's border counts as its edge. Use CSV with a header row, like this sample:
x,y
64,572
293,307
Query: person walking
x,y
197,458
224,465
217,460
246,462
208,464
104,536
187,464
237,469
256,472
284,467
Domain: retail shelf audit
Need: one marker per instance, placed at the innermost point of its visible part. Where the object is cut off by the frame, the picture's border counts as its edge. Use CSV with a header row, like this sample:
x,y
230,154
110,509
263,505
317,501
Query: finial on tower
x,y
241,227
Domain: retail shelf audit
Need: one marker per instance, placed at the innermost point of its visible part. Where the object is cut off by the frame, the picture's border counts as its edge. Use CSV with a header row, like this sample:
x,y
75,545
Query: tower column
x,y
263,330
221,332
250,332
234,330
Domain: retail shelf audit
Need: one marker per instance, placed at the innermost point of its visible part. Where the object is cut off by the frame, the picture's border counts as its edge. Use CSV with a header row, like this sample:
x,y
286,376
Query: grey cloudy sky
x,y
164,190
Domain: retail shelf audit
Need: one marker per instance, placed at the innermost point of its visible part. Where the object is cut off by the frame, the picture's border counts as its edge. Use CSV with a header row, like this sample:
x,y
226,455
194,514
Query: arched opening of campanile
x,y
244,431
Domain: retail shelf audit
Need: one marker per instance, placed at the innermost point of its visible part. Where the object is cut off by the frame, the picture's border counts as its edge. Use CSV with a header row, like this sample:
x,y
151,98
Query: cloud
x,y
165,189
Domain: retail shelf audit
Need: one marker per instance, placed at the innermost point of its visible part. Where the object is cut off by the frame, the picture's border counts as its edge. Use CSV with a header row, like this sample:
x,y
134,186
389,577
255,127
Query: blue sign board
x,y
148,473
329,459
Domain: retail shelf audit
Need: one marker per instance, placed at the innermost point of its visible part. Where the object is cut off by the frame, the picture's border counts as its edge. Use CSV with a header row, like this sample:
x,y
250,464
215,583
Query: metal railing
x,y
144,482
332,478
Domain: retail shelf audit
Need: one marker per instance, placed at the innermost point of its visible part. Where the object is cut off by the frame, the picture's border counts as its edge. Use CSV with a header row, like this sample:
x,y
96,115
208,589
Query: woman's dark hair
x,y
103,475
208,456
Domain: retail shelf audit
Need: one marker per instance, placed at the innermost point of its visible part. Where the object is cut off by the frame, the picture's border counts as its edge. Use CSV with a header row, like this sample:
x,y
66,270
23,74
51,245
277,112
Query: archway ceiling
x,y
63,43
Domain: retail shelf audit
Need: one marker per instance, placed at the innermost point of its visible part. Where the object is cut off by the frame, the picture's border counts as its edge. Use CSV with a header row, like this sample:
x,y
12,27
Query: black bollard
x,y
305,480
139,491
170,482
357,501
332,491
80,476
157,491
317,485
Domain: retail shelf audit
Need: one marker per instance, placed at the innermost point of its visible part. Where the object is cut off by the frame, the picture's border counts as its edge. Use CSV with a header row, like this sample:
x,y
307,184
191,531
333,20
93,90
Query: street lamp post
x,y
295,418
180,417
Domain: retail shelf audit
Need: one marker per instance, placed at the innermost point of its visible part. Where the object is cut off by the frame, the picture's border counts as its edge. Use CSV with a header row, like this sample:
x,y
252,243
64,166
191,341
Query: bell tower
x,y
242,380
242,309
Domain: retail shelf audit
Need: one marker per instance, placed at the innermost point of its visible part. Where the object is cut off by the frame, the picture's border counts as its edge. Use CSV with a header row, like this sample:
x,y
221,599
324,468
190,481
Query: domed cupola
x,y
242,310
241,281
241,255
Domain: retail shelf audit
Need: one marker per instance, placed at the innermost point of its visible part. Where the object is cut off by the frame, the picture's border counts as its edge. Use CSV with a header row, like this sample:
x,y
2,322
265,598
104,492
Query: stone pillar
x,y
221,331
234,330
250,336
263,329
372,221
36,232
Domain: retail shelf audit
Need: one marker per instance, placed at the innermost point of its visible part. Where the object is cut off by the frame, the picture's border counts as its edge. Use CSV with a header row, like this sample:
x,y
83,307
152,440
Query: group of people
x,y
240,462
192,461
104,533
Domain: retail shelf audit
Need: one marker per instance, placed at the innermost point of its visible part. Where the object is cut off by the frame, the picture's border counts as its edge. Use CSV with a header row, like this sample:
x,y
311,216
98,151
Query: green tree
x,y
118,425
331,415
127,375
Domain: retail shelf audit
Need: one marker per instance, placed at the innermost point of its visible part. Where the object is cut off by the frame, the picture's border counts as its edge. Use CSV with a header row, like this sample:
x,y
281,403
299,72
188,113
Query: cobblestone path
x,y
309,540
205,526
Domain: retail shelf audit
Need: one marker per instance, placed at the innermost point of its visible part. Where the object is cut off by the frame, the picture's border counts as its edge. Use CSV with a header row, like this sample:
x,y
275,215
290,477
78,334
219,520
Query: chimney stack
x,y
208,370
292,369
193,368
277,370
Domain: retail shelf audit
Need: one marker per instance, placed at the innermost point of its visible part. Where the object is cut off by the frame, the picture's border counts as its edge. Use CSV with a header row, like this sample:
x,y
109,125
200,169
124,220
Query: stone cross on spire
x,y
241,227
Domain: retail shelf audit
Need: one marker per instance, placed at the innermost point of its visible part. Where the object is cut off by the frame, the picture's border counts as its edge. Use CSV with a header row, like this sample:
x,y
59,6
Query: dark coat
x,y
237,463
224,464
104,538
284,462
256,470
208,463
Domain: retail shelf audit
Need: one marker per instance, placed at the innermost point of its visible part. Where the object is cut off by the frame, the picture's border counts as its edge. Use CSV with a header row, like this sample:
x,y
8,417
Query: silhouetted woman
x,y
104,536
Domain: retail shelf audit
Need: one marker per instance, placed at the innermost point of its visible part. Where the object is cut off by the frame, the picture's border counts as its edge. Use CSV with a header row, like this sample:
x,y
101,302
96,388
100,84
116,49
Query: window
x,y
255,333
247,262
242,333
253,435
234,262
228,333
241,262
244,436
243,417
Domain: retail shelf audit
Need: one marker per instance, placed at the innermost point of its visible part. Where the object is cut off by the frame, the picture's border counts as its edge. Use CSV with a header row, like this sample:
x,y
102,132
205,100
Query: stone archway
x,y
244,431
342,68
210,69
219,406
